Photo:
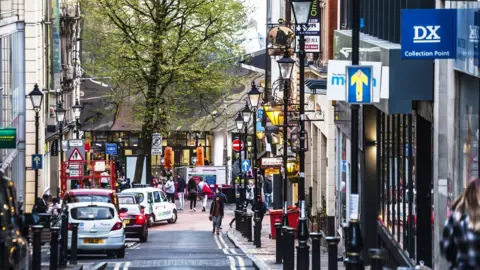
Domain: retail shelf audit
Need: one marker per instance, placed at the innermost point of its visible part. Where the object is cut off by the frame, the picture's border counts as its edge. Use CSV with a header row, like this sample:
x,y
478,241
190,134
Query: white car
x,y
99,229
154,204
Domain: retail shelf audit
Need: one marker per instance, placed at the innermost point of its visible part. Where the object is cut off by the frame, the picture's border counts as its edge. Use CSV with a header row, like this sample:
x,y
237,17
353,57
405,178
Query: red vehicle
x,y
92,195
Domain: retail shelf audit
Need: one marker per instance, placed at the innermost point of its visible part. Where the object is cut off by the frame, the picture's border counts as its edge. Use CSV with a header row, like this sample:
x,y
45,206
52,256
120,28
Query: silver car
x,y
99,229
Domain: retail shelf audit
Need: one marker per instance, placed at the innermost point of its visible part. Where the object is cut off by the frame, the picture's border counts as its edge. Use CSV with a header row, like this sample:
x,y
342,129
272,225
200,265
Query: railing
x,y
394,255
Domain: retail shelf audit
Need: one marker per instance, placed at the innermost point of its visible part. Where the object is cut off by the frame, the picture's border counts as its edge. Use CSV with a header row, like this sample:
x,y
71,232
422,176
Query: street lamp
x,y
77,111
254,96
246,113
301,10
239,122
60,117
285,64
36,97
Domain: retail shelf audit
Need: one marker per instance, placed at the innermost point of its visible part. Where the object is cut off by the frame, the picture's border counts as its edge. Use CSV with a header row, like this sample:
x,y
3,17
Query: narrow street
x,y
187,244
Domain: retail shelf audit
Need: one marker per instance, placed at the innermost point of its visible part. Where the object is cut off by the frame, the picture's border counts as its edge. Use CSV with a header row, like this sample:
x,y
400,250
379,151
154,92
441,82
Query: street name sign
x,y
75,143
359,84
37,162
8,138
272,162
156,144
111,148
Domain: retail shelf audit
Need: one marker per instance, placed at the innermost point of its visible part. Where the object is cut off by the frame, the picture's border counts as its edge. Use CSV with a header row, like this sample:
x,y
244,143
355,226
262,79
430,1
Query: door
x,y
157,205
166,206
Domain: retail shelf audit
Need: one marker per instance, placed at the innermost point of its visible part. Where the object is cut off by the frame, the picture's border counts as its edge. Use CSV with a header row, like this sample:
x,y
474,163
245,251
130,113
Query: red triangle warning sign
x,y
76,156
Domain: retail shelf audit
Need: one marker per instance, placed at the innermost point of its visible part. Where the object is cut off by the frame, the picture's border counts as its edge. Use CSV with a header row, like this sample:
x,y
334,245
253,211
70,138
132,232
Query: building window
x,y
468,129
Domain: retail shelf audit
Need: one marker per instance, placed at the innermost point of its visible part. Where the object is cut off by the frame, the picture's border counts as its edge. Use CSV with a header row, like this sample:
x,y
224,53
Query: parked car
x,y
131,213
100,228
15,246
155,204
91,195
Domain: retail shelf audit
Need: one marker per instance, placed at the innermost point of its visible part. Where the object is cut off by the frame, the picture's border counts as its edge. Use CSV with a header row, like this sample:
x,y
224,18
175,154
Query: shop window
x,y
128,152
185,159
468,129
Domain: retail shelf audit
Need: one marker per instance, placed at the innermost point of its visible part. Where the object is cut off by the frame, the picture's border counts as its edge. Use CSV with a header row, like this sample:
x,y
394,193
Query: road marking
x,y
232,262
134,246
223,241
241,262
127,264
232,250
117,266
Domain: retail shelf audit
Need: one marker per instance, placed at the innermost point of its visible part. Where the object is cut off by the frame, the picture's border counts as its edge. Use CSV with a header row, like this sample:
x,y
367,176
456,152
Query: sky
x,y
255,36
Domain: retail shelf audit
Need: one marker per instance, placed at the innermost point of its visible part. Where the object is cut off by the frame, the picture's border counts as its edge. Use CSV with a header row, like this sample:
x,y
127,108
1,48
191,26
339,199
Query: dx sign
x,y
426,34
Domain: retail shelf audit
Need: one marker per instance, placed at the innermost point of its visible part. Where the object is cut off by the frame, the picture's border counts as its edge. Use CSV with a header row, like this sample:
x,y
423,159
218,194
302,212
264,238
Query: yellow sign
x,y
272,171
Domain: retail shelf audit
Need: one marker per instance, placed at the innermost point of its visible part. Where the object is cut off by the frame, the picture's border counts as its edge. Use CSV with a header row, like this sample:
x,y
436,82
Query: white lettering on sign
x,y
426,34
474,30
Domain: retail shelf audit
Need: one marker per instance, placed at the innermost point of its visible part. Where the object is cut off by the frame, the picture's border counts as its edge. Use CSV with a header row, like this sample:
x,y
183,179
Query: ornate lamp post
x,y
77,111
239,123
36,97
60,115
246,114
301,10
254,97
286,67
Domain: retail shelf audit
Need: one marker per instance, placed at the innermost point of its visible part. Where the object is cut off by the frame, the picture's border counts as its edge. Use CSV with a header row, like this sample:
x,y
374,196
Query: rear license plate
x,y
126,221
93,241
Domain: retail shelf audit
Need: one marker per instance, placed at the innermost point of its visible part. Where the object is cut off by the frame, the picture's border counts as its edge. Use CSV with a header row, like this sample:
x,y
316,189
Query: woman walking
x,y
192,194
461,235
216,214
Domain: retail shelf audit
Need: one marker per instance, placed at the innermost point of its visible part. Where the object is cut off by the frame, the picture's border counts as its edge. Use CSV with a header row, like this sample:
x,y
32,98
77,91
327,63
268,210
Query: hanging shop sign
x,y
272,162
336,79
8,138
428,33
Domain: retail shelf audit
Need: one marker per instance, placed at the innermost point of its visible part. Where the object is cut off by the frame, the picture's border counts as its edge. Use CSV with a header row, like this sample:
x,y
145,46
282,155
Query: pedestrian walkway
x,y
264,257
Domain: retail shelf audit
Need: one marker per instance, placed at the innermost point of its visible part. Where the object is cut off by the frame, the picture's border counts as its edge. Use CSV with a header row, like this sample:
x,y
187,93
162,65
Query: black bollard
x,y
376,258
237,219
63,241
291,248
278,243
332,252
243,222
73,249
37,247
286,248
54,248
316,256
354,247
249,227
257,233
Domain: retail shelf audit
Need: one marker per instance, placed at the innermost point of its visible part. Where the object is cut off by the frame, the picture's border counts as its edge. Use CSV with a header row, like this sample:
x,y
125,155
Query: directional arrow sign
x,y
37,162
245,165
359,84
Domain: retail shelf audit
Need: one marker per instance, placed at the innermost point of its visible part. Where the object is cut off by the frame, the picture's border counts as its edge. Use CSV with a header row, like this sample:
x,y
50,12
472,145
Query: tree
x,y
164,58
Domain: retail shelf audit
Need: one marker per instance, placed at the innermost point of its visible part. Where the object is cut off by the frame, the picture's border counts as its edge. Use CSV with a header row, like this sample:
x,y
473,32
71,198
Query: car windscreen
x,y
89,198
126,199
139,195
92,213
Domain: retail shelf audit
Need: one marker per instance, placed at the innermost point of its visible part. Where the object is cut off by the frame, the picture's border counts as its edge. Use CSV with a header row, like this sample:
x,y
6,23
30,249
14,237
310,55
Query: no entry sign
x,y
237,145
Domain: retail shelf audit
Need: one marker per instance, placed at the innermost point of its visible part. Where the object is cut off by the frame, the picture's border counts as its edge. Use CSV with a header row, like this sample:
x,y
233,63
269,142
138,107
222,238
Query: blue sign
x,y
245,165
111,148
468,41
428,33
344,166
359,84
259,126
37,162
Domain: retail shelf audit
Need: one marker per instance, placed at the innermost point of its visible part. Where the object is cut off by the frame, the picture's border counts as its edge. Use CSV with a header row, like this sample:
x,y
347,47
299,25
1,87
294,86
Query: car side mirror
x,y
123,210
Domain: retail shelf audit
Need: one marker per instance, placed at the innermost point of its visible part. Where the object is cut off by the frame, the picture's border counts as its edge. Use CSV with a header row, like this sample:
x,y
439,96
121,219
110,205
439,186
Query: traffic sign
x,y
359,84
237,145
245,165
75,143
111,148
156,144
76,155
37,162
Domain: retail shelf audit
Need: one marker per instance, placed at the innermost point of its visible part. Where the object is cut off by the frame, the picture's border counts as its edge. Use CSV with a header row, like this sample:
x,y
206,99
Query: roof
x,y
83,204
126,191
90,191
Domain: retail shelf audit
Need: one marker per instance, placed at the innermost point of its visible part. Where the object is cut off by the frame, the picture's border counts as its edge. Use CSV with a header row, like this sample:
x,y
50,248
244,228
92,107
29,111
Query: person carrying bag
x,y
216,214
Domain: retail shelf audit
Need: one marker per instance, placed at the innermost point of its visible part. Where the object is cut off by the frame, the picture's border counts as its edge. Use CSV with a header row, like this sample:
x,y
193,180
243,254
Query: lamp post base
x,y
302,248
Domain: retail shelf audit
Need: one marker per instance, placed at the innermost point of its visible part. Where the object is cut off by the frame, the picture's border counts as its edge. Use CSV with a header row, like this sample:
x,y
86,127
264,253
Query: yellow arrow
x,y
359,79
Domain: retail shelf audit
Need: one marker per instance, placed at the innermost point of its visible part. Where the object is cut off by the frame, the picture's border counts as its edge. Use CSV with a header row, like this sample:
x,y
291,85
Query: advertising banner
x,y
312,34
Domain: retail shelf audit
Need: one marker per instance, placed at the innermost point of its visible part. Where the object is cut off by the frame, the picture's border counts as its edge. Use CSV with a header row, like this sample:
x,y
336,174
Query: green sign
x,y
8,138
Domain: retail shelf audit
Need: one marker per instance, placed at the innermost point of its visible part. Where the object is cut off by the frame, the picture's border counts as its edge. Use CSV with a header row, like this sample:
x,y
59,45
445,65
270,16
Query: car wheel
x,y
121,253
174,217
151,220
144,237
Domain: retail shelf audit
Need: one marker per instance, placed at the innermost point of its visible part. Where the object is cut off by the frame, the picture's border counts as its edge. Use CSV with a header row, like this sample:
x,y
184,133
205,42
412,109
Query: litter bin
x,y
293,214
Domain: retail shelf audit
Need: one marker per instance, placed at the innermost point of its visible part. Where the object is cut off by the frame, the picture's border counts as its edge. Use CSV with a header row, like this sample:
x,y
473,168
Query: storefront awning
x,y
316,86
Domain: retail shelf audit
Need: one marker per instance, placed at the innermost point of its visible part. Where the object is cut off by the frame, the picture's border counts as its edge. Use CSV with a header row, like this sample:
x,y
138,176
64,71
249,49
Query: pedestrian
x,y
250,193
219,193
461,235
205,189
181,185
267,190
216,214
40,206
105,178
170,190
54,208
192,194
260,206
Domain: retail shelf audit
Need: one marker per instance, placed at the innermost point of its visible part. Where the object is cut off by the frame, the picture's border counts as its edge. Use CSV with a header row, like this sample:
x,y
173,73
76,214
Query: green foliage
x,y
165,58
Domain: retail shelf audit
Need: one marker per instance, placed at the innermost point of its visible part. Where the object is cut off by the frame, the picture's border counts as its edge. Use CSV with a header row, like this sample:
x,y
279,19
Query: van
x,y
154,204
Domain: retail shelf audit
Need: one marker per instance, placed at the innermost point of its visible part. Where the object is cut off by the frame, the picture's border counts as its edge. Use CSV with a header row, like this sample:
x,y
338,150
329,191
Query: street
x,y
187,244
